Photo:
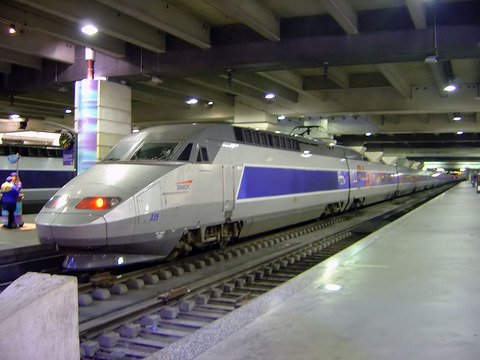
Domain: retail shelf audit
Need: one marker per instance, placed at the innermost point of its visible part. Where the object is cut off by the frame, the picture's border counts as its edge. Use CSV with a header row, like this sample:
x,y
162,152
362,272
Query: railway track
x,y
131,316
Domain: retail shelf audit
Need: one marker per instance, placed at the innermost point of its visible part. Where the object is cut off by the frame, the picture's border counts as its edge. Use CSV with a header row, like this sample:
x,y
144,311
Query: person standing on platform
x,y
16,181
10,193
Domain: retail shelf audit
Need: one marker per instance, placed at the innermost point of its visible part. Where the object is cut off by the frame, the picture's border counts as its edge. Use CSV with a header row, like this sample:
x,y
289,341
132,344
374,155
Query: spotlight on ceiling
x,y
450,87
269,96
368,134
12,29
191,101
431,59
457,117
459,132
281,117
89,29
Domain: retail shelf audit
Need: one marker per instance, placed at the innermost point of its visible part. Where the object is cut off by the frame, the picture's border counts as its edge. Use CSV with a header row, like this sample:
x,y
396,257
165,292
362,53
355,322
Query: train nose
x,y
70,230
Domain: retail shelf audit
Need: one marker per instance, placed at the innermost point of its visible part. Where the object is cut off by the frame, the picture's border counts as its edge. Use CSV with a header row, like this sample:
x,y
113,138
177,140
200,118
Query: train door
x,y
228,190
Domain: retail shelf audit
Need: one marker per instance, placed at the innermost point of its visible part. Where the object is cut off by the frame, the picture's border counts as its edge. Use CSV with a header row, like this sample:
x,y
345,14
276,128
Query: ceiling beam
x,y
107,20
417,13
287,78
306,52
343,13
166,17
151,94
25,19
188,89
28,110
266,86
5,67
251,13
235,88
21,59
319,82
32,43
339,77
393,75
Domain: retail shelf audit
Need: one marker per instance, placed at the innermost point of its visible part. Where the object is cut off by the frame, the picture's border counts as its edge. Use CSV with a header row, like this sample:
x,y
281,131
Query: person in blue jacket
x,y
10,193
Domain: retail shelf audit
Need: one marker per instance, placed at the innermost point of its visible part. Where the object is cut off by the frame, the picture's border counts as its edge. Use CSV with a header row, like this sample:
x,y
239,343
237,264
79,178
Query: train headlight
x,y
57,202
98,203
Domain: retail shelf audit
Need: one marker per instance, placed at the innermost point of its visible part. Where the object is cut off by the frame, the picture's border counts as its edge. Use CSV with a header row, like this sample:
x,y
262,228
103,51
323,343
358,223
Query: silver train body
x,y
171,188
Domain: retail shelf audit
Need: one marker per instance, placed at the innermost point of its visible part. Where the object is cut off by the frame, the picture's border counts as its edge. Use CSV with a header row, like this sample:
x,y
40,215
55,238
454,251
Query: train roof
x,y
198,132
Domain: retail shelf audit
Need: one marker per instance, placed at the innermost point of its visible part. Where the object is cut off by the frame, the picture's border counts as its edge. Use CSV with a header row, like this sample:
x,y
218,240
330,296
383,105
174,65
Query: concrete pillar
x,y
102,117
114,115
39,318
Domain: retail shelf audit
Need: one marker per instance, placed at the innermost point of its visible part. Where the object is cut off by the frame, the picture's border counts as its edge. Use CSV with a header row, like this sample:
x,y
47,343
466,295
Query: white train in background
x,y
41,171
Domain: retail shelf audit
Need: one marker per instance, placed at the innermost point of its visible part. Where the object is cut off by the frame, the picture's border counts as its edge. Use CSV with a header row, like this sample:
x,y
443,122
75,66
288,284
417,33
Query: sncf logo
x,y
184,185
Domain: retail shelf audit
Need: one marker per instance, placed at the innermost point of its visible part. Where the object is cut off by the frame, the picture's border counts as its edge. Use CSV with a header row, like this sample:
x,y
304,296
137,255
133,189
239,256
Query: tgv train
x,y
171,188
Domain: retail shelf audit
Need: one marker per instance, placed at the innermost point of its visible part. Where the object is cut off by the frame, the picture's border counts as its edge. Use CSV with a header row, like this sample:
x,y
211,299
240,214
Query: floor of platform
x,y
408,291
20,237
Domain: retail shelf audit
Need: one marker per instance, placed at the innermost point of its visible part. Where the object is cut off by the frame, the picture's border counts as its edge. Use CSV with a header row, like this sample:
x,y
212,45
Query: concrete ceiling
x,y
358,63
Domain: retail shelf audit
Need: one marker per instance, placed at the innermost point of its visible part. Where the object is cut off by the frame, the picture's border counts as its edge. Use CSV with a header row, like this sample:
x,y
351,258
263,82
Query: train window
x,y
276,141
263,139
119,151
51,153
204,152
256,138
185,155
270,139
248,136
239,134
154,151
288,143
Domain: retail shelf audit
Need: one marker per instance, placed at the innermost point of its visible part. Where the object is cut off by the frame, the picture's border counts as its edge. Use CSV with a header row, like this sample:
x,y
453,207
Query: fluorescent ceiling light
x,y
431,59
89,29
191,101
450,88
31,138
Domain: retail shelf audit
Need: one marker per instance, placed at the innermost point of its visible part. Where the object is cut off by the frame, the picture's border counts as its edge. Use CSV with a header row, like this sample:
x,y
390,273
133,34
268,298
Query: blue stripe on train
x,y
262,182
39,179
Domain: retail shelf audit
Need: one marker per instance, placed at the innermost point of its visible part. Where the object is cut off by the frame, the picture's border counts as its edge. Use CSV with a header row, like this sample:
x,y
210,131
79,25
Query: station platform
x,y
21,240
408,291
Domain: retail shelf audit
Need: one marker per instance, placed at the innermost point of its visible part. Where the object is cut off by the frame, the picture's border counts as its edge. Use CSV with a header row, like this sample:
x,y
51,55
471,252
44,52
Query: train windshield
x,y
145,150
153,150
119,151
